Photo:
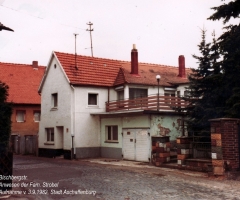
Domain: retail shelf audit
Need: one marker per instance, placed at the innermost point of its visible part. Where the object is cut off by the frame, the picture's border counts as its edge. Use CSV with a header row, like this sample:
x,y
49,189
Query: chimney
x,y
134,60
181,66
35,64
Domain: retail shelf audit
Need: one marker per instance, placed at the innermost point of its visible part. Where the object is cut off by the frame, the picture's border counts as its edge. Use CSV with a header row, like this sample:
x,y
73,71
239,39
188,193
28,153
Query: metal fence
x,y
201,144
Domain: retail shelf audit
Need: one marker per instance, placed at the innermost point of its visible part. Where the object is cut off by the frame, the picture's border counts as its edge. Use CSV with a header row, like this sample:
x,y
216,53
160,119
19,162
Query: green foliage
x,y
215,85
5,117
229,46
203,93
226,11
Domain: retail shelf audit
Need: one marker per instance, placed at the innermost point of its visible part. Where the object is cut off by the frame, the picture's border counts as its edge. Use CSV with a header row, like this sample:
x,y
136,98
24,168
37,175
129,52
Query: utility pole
x,y
75,34
90,30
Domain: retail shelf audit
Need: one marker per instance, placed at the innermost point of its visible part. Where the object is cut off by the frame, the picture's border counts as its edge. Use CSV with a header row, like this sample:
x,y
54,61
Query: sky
x,y
161,29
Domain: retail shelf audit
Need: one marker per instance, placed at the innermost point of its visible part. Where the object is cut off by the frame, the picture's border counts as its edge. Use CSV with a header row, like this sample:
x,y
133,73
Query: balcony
x,y
166,103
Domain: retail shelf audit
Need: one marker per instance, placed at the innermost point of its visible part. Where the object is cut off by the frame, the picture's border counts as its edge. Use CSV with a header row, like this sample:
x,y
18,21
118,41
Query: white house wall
x,y
87,127
112,95
136,122
108,149
153,90
56,82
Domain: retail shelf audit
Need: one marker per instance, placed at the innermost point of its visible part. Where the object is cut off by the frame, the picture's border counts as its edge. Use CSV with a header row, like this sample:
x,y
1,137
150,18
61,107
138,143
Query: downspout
x,y
73,152
108,94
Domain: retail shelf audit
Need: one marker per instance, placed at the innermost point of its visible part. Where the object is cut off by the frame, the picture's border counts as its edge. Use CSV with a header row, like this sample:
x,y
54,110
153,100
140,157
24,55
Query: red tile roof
x,y
106,72
91,70
23,81
147,74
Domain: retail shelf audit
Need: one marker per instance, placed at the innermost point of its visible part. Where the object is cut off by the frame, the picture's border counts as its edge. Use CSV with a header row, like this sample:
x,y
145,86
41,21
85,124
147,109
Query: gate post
x,y
225,144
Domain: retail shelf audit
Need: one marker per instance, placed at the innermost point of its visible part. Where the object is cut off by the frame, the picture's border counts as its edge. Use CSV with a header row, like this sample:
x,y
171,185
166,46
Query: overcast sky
x,y
161,29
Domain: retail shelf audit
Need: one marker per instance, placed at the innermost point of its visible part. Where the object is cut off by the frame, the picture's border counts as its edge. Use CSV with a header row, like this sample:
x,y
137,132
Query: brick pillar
x,y
184,150
225,144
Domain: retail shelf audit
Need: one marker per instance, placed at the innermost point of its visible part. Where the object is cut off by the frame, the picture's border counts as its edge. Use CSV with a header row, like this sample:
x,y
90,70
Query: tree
x,y
5,117
203,96
214,89
229,46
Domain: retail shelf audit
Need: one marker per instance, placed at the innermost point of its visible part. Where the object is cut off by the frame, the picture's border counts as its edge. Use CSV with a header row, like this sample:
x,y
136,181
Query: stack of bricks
x,y
184,150
160,150
217,156
225,145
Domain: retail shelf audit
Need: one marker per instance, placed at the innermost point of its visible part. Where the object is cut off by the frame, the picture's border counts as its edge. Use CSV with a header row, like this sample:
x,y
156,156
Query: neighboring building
x,y
23,81
100,107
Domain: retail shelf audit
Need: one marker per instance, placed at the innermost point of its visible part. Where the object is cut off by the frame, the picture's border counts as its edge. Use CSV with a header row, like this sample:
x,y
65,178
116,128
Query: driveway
x,y
48,178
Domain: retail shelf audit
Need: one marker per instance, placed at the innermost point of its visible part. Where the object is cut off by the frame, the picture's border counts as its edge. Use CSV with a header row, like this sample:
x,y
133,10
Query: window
x,y
112,133
50,134
137,93
20,116
36,116
120,94
54,100
92,99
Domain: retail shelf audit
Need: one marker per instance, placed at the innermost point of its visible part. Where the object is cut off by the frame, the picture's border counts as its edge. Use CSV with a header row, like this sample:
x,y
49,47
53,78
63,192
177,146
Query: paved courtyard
x,y
48,178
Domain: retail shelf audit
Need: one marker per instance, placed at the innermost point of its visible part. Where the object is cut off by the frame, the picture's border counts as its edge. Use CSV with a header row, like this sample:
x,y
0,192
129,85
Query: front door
x,y
136,145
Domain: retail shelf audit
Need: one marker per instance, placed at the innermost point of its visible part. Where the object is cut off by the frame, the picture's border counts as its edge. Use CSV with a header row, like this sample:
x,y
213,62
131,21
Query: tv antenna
x,y
75,34
90,30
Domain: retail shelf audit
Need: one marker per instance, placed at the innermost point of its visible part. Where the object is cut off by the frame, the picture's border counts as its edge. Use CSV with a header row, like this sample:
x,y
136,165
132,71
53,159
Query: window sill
x,y
93,106
49,143
20,121
53,109
111,141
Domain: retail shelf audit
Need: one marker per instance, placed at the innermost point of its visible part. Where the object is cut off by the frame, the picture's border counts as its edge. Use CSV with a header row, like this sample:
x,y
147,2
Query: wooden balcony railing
x,y
166,103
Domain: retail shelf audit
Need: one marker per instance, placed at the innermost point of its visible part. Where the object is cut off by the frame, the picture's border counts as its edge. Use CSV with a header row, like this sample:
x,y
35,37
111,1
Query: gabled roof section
x,y
23,81
90,70
120,80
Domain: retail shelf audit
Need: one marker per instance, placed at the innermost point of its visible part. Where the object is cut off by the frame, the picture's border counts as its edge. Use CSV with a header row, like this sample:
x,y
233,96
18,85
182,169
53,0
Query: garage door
x,y
136,145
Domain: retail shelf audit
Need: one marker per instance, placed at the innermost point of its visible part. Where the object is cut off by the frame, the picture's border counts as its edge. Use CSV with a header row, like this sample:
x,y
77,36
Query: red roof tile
x,y
91,70
107,72
23,81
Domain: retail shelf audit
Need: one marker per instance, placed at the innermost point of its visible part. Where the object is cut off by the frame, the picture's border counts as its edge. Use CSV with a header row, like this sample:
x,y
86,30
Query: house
x,y
95,107
23,81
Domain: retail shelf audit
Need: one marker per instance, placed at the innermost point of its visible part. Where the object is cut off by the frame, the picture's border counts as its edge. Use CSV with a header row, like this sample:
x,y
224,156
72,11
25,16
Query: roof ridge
x,y
122,61
91,57
26,65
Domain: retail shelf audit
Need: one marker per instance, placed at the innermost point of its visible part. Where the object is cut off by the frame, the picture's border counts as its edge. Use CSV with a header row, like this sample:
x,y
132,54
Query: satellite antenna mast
x,y
90,30
75,34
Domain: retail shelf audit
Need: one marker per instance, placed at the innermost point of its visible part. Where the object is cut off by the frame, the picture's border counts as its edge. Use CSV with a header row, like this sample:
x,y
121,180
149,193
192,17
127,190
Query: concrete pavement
x,y
112,179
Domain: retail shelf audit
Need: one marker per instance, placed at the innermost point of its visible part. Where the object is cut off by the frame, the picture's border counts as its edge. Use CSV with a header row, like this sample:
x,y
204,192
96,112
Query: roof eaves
x,y
45,74
61,67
